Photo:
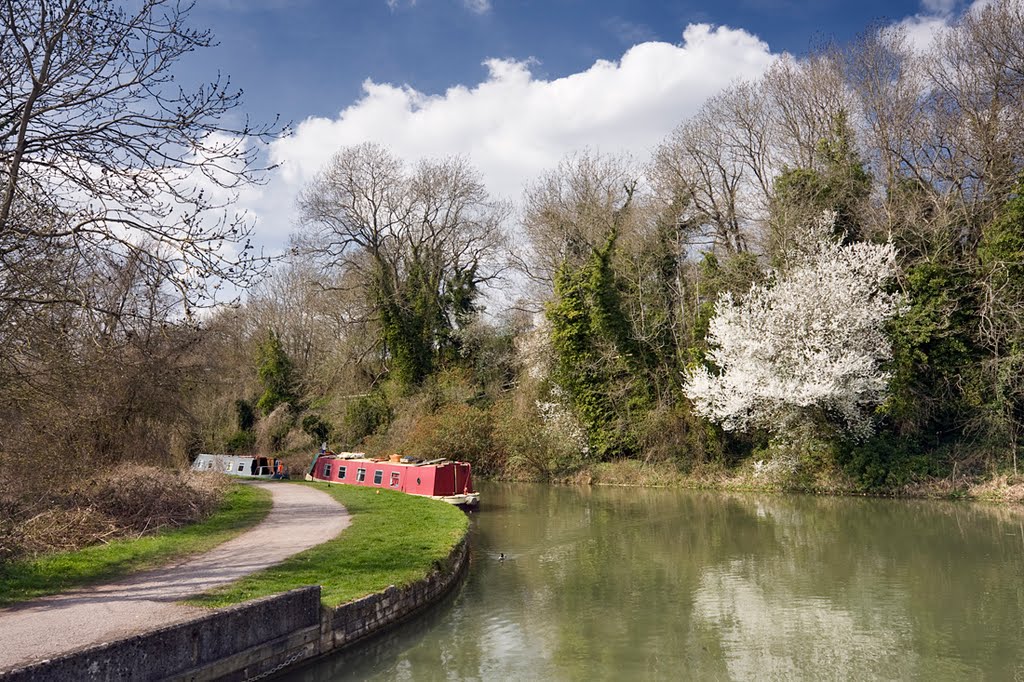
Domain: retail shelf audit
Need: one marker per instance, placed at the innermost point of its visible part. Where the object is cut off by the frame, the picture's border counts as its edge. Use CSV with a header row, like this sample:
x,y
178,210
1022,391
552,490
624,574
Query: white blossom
x,y
559,420
811,337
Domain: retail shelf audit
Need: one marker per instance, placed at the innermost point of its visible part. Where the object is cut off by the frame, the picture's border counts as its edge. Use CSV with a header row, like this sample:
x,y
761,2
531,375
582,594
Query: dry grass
x,y
126,501
1002,488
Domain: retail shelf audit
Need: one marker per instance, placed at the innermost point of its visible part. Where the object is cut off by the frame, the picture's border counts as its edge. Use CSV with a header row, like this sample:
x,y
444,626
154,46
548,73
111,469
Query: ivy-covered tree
x,y
601,365
1001,255
839,183
274,370
418,243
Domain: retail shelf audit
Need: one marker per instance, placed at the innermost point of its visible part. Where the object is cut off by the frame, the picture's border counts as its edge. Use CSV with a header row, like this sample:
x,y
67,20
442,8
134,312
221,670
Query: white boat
x,y
241,465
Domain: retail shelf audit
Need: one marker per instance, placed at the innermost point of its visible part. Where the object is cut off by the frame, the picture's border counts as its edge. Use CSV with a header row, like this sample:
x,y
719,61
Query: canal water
x,y
624,583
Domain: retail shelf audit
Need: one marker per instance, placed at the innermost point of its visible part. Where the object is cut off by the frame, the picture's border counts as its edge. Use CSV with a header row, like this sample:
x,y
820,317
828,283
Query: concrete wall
x,y
252,639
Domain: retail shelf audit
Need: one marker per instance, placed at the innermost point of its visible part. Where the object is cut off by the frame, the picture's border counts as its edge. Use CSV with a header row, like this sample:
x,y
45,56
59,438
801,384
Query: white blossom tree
x,y
809,341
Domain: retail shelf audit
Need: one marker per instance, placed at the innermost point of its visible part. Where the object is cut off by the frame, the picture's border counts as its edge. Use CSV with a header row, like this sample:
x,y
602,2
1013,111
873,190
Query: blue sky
x,y
514,85
309,57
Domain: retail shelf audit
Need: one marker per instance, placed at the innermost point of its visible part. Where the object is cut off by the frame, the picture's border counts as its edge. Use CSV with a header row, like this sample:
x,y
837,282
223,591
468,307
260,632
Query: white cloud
x,y
939,6
935,17
478,6
514,126
922,29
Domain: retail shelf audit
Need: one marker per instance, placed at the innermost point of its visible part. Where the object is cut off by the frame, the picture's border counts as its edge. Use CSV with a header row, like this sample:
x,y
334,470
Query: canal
x,y
624,583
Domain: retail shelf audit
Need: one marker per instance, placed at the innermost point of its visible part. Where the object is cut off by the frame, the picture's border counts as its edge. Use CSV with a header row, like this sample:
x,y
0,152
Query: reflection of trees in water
x,y
780,634
666,584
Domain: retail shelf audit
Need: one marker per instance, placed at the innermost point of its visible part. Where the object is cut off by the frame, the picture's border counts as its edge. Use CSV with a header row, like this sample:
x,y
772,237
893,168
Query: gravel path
x,y
300,518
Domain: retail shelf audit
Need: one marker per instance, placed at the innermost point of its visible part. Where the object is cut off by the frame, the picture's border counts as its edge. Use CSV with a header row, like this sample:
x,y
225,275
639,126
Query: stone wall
x,y
351,622
184,650
252,639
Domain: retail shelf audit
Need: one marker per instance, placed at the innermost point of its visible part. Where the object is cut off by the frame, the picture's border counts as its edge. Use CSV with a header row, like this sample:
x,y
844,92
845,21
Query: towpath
x,y
300,518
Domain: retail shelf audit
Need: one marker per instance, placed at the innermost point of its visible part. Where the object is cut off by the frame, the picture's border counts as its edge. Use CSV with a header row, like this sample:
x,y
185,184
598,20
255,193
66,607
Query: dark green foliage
x,y
1001,250
246,415
846,183
241,442
885,462
409,318
1001,254
578,370
599,364
734,274
366,415
274,370
489,354
316,428
935,357
838,183
419,317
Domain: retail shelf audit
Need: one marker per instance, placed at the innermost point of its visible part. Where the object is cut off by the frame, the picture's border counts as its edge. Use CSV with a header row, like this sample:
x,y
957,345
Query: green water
x,y
617,583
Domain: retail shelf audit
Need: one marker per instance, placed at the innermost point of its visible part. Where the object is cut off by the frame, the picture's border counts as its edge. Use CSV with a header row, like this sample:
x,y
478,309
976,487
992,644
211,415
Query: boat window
x,y
394,479
378,476
342,471
209,465
327,469
241,467
360,475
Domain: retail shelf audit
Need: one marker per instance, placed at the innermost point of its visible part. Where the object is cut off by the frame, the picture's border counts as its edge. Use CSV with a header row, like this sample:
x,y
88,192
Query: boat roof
x,y
361,457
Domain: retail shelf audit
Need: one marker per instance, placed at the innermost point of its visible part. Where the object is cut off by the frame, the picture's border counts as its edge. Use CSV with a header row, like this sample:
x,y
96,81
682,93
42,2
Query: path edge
x,y
254,639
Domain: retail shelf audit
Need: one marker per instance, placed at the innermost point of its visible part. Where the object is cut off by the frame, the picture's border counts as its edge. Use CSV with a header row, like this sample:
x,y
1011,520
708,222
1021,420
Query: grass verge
x,y
243,507
394,539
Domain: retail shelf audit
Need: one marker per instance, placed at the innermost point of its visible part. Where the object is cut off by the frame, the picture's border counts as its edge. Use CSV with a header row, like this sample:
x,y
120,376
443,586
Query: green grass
x,y
393,539
243,507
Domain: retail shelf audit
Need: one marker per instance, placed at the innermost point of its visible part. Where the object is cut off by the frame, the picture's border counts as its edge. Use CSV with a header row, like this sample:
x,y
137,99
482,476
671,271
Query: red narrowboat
x,y
440,479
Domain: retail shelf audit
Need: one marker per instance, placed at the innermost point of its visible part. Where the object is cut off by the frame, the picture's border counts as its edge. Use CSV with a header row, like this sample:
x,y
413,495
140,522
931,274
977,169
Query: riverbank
x,y
394,539
142,602
243,508
404,554
1000,488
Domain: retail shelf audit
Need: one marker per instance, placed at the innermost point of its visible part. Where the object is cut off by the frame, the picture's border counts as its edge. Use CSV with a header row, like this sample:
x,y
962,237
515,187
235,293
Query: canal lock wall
x,y
251,640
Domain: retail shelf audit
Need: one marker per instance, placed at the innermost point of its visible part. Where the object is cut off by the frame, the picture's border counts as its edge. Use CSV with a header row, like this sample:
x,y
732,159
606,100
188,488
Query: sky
x,y
514,85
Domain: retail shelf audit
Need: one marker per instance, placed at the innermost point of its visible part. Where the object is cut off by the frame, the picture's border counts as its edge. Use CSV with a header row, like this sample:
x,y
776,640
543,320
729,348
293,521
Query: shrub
x,y
246,415
129,500
241,442
366,415
316,428
458,432
884,462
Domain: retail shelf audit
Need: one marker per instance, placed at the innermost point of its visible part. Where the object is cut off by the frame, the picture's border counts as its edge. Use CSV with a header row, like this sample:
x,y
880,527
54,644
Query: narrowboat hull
x,y
241,466
439,479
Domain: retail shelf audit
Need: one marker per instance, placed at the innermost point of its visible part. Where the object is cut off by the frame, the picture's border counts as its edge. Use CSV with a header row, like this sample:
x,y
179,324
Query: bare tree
x,y
569,212
697,166
103,152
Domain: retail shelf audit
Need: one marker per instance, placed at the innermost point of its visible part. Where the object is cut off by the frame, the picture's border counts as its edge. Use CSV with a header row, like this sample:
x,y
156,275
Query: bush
x,y
366,415
459,432
246,415
241,442
884,462
316,428
129,500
